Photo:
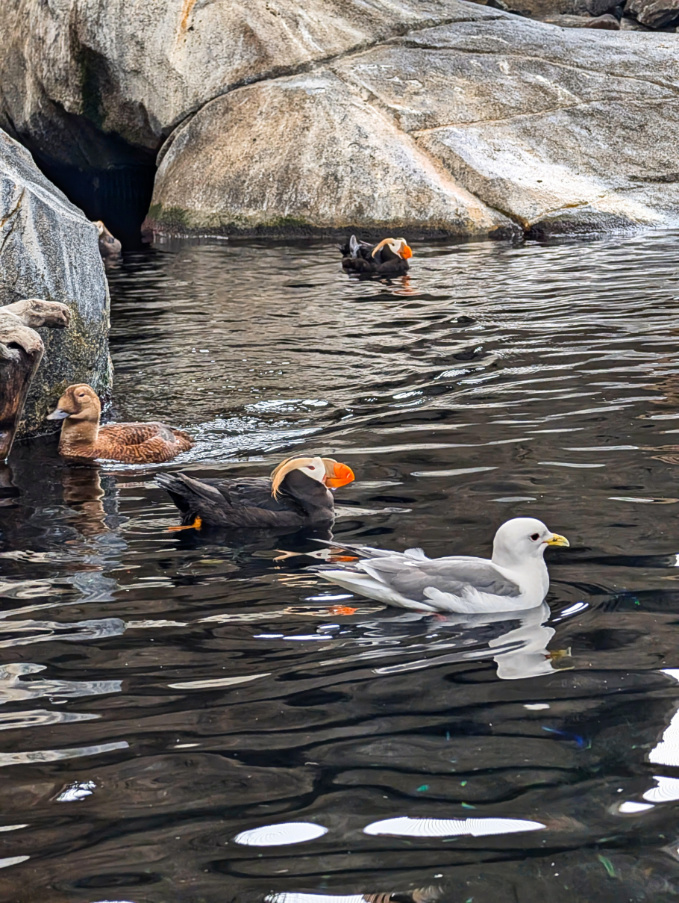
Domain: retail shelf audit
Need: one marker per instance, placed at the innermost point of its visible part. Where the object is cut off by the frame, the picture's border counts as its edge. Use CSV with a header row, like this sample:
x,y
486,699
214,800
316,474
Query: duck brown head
x,y
80,409
330,473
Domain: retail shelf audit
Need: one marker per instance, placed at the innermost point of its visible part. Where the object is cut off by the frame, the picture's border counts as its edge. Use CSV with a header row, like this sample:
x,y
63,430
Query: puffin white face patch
x,y
314,469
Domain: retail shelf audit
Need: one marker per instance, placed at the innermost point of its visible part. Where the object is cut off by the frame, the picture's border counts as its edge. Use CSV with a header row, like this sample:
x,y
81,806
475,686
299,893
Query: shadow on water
x,y
198,717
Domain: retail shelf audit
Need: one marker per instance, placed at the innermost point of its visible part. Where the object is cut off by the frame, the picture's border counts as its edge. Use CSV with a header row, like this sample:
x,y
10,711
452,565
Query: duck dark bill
x,y
58,414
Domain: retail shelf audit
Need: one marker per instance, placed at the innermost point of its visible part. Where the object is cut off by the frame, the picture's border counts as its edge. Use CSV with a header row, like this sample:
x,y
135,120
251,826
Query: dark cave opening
x,y
119,194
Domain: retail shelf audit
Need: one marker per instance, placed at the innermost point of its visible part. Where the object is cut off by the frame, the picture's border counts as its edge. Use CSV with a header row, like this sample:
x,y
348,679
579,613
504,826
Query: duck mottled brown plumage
x,y
131,443
386,260
295,495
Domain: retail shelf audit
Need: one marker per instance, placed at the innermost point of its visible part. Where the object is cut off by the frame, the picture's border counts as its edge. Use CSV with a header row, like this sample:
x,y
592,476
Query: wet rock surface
x,y
48,250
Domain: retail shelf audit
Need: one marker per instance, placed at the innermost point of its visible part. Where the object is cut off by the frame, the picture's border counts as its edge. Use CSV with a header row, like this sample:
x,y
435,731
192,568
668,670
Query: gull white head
x,y
523,539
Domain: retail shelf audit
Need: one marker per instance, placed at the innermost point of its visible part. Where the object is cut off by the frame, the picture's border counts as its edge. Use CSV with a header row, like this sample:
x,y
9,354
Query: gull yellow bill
x,y
557,540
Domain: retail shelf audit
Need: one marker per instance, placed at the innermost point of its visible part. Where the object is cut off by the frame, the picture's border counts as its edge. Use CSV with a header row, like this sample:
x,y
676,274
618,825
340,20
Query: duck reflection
x,y
36,479
83,493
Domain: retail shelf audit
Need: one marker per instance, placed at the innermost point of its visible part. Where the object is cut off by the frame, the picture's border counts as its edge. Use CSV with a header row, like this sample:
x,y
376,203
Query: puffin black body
x,y
386,260
290,498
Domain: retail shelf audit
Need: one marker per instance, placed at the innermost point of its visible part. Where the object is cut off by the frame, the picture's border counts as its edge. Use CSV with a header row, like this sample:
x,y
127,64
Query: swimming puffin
x,y
131,443
297,494
385,260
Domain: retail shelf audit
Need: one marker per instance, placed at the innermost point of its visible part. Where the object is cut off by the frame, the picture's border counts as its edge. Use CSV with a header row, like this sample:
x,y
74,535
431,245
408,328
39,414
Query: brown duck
x,y
295,495
131,443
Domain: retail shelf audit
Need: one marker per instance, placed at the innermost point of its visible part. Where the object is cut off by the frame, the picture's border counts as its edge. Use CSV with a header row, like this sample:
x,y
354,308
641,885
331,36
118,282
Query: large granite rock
x,y
70,73
305,154
49,250
555,130
546,10
294,116
654,13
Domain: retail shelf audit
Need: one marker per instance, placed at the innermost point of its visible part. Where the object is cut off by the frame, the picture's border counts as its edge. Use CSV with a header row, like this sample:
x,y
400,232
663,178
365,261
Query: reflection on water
x,y
196,717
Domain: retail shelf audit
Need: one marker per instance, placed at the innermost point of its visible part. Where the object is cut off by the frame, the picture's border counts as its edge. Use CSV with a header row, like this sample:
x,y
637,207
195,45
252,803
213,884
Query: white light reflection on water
x,y
217,682
59,755
78,790
667,751
280,835
12,860
405,826
666,790
314,898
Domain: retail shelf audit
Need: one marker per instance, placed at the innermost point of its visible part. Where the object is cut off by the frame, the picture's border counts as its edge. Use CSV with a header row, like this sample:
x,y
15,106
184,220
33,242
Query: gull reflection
x,y
516,641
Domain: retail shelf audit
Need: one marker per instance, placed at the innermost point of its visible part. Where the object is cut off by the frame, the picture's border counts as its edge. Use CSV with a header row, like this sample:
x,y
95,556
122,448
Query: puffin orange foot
x,y
342,610
196,525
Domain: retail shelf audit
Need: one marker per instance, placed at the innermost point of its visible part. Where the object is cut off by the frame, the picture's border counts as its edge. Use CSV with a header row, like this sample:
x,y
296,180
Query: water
x,y
187,721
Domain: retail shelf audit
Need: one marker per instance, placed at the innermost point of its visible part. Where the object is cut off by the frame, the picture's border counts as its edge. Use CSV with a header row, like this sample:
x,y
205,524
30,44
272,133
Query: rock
x,y
339,163
298,116
629,24
134,69
21,350
553,10
654,13
607,22
49,249
503,118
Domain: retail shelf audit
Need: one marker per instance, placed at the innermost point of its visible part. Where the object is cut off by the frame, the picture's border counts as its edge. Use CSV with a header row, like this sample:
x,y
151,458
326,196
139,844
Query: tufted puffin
x,y
385,260
297,494
131,443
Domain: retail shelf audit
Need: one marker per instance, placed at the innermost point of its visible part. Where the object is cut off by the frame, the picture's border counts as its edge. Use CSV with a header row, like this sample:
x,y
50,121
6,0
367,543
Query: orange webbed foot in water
x,y
196,525
342,610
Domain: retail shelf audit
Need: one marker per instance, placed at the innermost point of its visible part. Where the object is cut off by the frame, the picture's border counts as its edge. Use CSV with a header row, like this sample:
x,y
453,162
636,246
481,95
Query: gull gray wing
x,y
371,552
457,576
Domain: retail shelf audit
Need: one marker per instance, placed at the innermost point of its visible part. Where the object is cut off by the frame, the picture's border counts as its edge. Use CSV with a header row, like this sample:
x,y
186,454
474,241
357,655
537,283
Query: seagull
x,y
514,579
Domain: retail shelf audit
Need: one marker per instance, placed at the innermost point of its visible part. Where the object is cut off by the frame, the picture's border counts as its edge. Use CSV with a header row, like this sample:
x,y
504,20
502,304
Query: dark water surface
x,y
186,720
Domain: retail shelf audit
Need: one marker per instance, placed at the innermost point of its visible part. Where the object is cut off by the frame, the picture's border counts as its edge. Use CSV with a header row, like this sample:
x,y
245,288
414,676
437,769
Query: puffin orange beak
x,y
406,252
342,474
